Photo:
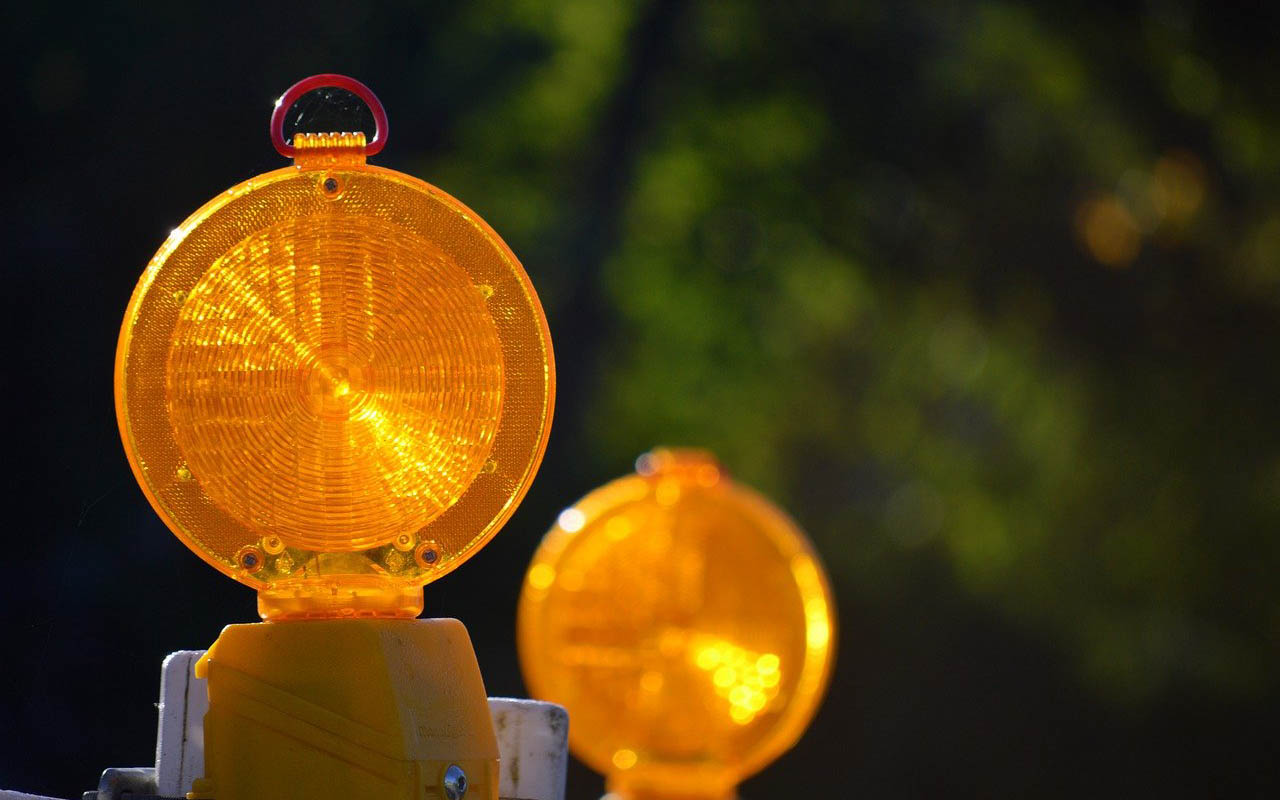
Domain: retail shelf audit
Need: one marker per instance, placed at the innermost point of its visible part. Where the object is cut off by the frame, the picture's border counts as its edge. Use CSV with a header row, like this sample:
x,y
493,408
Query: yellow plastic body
x,y
334,383
368,709
684,622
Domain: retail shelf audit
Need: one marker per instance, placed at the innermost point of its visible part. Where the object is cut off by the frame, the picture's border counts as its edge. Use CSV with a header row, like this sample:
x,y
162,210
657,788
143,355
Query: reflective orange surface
x,y
334,381
685,623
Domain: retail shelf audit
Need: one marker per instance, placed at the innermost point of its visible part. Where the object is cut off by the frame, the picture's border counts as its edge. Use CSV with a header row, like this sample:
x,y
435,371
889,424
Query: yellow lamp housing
x,y
334,383
686,624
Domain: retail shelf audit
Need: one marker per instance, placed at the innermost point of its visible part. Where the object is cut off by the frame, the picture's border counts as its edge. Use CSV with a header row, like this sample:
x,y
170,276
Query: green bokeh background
x,y
985,295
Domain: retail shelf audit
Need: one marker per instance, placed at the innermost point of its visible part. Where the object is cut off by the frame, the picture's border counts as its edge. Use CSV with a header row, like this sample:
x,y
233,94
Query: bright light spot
x,y
724,677
571,520
747,680
817,631
541,576
625,759
816,614
708,658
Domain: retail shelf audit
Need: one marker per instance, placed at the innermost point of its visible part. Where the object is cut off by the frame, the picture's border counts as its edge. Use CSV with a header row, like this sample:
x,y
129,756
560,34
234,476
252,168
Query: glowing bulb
x,y
624,759
571,520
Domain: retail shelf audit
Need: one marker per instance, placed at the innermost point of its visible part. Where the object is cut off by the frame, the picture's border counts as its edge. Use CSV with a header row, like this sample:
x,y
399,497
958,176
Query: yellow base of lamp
x,y
350,709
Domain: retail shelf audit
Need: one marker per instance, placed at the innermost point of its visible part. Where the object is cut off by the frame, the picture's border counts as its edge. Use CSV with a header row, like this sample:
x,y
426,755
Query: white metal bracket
x,y
532,737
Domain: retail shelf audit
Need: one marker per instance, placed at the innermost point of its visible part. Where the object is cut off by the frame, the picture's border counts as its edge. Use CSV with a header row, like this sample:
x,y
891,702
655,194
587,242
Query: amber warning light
x,y
334,381
686,624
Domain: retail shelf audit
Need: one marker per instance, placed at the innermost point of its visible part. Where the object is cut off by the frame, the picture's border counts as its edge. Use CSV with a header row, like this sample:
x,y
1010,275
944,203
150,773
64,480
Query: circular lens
x,y
685,624
344,374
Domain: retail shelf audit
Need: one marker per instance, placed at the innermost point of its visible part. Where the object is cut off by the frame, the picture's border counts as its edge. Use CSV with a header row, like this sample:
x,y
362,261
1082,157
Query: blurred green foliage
x,y
1008,305
985,294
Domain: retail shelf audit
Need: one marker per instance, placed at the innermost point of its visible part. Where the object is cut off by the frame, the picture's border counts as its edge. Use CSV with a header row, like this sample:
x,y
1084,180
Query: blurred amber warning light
x,y
685,623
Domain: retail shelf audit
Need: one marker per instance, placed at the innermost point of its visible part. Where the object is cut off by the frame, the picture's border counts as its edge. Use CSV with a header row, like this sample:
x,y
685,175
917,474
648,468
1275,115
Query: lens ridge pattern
x,y
320,356
328,374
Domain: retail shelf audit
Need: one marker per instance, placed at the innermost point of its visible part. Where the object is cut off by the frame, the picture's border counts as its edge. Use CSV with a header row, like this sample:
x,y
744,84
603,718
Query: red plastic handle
x,y
286,101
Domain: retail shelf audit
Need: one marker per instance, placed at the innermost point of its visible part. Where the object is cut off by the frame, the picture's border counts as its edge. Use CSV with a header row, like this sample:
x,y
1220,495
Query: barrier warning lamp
x,y
685,623
334,383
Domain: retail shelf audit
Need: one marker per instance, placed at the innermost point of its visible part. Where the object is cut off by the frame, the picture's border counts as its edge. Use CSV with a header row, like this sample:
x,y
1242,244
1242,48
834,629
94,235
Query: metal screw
x,y
427,554
455,782
330,185
250,558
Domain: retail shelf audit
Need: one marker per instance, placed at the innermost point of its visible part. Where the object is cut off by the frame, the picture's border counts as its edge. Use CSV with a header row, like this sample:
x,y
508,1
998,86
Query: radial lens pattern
x,y
334,377
320,358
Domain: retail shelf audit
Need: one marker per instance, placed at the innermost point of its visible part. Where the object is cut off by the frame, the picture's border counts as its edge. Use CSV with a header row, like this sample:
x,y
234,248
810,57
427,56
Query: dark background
x,y
986,295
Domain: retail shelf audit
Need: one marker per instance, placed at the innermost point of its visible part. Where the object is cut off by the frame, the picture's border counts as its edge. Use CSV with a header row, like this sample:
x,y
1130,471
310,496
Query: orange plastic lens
x,y
685,623
335,384
330,364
